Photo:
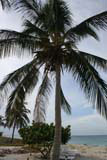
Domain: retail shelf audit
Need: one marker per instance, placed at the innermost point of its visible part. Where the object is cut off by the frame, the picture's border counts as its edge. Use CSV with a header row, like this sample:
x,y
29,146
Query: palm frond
x,y
91,83
81,31
13,43
32,29
5,4
24,87
87,27
62,15
42,99
98,21
30,9
13,79
95,60
64,104
58,16
17,114
16,97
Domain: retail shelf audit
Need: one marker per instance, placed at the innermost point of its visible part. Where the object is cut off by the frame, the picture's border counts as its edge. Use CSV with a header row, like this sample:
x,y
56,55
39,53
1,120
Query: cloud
x,y
88,125
83,121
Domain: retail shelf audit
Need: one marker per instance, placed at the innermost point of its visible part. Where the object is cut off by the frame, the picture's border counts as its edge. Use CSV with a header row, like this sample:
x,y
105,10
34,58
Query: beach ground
x,y
97,152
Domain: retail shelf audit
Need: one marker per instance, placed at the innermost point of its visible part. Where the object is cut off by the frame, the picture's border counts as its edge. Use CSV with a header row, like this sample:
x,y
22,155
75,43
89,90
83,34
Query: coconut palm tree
x,y
50,37
16,115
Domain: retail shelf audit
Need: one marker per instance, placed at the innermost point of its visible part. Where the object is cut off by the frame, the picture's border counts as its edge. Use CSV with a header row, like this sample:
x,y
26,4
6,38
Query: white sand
x,y
98,152
20,157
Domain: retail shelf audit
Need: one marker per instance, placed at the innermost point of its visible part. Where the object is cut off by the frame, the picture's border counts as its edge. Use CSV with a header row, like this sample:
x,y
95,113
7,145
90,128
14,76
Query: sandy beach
x,y
16,153
97,152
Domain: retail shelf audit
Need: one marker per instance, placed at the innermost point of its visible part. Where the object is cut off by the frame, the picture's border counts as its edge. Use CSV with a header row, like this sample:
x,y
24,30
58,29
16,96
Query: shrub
x,y
1,134
66,134
42,135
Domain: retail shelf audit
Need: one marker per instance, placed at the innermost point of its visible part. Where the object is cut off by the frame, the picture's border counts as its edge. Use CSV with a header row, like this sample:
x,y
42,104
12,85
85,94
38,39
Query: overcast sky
x,y
84,120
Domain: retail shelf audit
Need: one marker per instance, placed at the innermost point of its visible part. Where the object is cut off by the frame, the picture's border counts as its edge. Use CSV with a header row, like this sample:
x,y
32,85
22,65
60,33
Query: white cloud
x,y
88,125
92,124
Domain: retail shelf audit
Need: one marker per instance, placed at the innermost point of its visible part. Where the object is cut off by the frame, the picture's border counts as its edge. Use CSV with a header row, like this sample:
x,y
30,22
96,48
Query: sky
x,y
84,119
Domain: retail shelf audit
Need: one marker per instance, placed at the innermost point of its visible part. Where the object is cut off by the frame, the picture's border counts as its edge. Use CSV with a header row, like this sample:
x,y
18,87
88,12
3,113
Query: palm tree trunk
x,y
57,137
13,132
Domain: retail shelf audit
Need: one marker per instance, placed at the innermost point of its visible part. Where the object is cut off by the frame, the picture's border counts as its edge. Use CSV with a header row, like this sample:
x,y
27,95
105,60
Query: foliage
x,y
66,134
51,38
2,121
42,135
16,115
44,24
39,133
1,133
6,141
5,4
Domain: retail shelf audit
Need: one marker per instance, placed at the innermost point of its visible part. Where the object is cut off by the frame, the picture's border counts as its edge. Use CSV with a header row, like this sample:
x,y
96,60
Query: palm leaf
x,y
81,31
16,97
87,27
59,16
95,60
5,4
42,99
64,104
13,43
27,8
13,79
33,29
18,114
91,83
26,85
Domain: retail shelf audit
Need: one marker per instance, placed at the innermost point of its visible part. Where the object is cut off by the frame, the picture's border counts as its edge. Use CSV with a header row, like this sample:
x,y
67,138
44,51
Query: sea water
x,y
89,140
96,140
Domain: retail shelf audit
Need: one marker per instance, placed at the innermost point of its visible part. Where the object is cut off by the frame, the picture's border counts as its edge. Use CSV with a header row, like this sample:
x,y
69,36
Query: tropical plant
x,y
2,123
16,115
50,37
42,135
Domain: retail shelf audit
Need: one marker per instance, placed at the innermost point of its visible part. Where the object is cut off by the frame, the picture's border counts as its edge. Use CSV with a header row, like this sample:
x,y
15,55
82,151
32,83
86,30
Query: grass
x,y
6,141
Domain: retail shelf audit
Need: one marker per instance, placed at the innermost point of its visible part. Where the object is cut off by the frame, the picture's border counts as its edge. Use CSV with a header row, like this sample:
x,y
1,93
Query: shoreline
x,y
97,152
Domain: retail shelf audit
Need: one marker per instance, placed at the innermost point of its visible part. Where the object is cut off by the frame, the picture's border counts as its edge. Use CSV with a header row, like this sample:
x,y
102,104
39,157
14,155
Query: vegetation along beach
x,y
53,80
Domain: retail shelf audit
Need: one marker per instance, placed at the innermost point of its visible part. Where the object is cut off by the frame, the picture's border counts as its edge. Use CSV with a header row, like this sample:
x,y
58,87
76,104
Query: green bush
x,y
42,135
66,134
1,134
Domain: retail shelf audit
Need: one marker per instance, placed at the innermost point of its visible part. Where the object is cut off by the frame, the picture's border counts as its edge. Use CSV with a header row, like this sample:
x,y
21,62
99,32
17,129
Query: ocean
x,y
95,140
